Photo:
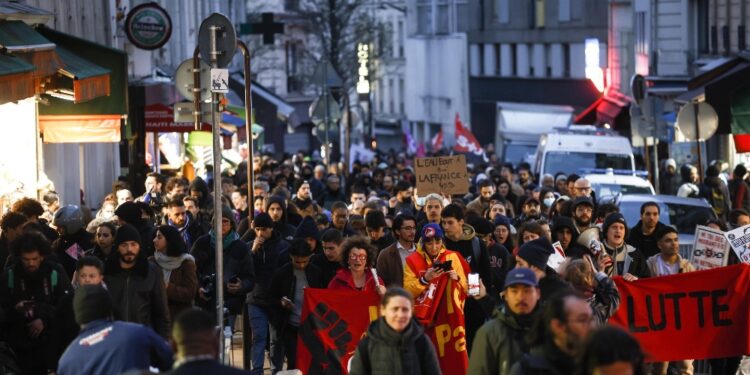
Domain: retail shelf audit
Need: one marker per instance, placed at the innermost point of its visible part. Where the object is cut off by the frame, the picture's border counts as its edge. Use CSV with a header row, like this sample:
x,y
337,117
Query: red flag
x,y
696,315
437,141
466,142
742,143
332,324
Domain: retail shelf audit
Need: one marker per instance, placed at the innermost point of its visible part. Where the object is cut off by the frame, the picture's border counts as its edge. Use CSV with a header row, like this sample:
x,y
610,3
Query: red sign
x,y
160,119
696,315
331,325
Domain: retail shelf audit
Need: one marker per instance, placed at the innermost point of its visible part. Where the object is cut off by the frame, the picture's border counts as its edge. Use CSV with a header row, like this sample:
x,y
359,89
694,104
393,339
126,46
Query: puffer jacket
x,y
138,294
385,351
499,343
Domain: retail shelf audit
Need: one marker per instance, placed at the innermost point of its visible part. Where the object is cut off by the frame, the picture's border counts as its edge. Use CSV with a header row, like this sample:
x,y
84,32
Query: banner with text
x,y
696,315
739,239
443,174
710,248
332,323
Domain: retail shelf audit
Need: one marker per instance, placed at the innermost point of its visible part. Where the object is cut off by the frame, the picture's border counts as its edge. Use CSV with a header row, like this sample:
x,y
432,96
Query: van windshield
x,y
575,162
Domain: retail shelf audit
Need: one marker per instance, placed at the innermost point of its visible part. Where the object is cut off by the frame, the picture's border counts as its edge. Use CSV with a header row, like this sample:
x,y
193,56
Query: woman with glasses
x,y
358,257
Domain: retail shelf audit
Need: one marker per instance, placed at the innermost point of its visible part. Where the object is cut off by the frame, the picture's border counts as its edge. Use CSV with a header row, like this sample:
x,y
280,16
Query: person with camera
x,y
31,290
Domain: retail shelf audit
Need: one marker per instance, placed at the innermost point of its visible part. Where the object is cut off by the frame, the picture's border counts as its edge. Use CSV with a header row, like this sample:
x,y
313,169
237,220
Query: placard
x,y
739,239
443,174
710,248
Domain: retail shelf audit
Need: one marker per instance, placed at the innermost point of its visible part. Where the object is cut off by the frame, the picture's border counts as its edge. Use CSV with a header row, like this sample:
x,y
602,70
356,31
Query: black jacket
x,y
645,243
327,269
237,262
551,284
385,351
206,202
545,359
574,250
138,294
203,367
85,240
272,255
283,284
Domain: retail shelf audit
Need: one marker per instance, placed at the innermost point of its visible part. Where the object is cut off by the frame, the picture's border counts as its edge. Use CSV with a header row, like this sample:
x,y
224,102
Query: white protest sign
x,y
556,259
739,239
710,248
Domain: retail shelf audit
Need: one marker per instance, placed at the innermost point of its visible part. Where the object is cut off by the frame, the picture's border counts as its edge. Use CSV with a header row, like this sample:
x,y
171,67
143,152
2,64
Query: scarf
x,y
228,239
169,264
302,204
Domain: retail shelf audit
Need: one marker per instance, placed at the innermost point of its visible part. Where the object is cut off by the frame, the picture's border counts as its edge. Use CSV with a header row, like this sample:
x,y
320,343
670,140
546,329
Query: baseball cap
x,y
431,231
523,276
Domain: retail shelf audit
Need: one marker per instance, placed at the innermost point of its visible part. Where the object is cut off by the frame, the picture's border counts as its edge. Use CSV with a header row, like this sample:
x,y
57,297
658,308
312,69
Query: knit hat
x,y
581,200
536,252
298,183
665,230
670,162
523,276
262,220
307,229
502,220
482,226
175,243
129,212
125,233
611,219
375,219
91,302
430,231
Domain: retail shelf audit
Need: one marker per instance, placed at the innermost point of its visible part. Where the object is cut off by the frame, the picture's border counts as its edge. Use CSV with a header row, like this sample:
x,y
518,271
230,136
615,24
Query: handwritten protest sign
x,y
443,174
739,239
710,248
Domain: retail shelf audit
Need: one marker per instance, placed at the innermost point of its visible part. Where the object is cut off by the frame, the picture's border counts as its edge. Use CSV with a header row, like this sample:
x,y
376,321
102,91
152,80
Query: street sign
x,y
183,77
183,112
220,81
638,88
318,113
326,74
226,39
708,121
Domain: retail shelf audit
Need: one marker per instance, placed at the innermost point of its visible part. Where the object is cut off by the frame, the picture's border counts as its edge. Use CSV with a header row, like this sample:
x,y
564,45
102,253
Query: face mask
x,y
549,201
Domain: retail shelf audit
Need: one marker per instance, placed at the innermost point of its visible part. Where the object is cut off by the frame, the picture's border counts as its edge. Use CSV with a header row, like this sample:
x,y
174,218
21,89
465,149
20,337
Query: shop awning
x,y
80,129
23,41
79,80
16,81
87,61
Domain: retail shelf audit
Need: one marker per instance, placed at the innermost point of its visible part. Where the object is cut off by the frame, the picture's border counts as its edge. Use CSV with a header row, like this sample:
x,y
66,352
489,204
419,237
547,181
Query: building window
x,y
702,27
381,96
497,60
475,60
391,96
502,11
566,60
400,37
401,96
641,38
563,10
513,61
538,7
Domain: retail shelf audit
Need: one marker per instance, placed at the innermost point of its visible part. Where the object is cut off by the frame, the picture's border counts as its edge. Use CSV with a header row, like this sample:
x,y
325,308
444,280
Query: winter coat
x,y
574,250
273,254
645,243
238,262
545,359
499,265
385,351
551,284
327,268
739,191
329,196
717,194
306,207
283,284
498,344
191,230
182,287
138,293
478,205
606,298
345,281
653,265
669,183
634,263
390,267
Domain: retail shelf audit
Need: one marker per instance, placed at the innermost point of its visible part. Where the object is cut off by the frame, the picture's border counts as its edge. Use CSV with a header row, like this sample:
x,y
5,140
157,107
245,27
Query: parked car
x,y
682,213
610,184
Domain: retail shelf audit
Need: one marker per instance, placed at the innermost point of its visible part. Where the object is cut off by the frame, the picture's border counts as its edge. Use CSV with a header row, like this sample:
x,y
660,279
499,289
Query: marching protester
x,y
391,261
611,350
177,267
331,260
358,256
620,258
594,286
643,235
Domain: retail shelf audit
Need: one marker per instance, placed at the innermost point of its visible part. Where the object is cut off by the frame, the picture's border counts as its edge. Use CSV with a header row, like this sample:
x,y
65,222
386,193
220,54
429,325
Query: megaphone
x,y
588,235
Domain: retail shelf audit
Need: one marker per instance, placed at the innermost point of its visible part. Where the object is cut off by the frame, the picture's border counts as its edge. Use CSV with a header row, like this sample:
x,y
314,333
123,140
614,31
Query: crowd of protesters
x,y
79,284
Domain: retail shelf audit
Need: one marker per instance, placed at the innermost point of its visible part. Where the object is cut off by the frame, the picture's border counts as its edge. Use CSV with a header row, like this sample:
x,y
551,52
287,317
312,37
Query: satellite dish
x,y
708,121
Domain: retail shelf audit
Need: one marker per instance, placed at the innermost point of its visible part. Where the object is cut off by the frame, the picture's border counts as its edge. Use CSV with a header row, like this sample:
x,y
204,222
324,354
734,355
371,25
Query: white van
x,y
582,148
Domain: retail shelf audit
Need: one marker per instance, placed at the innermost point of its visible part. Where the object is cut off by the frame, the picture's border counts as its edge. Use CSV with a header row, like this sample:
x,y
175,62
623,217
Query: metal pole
x,y
698,142
248,126
217,200
656,164
347,135
197,88
326,126
646,157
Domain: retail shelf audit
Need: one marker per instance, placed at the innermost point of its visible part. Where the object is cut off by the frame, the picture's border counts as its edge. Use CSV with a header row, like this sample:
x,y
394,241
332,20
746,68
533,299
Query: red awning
x,y
160,119
80,129
604,110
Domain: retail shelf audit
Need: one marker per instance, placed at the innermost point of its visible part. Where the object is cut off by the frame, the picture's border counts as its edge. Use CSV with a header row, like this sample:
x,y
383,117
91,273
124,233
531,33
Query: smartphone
x,y
445,266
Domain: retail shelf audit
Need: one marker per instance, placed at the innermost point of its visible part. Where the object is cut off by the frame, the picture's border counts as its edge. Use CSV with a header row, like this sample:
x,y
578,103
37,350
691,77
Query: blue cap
x,y
430,231
523,276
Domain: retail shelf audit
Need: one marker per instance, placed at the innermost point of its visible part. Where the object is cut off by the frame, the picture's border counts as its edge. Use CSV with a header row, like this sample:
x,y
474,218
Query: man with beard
x,y
531,211
332,192
276,209
179,217
643,235
482,202
12,225
391,261
558,337
303,199
403,202
31,290
499,343
524,175
135,284
583,211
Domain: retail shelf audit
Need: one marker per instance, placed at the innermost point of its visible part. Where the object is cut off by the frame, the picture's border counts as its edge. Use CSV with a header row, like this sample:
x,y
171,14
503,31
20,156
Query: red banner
x,y
332,323
696,315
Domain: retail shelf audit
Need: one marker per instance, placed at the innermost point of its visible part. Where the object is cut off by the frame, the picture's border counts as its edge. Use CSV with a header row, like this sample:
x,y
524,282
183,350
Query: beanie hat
x,y
611,219
663,230
581,200
307,229
298,183
536,252
275,199
262,220
671,162
129,212
91,302
482,226
502,220
375,219
432,230
125,233
175,243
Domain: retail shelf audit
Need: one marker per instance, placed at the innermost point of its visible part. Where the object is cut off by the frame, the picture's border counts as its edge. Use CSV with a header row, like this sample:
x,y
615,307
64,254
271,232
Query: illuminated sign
x,y
363,72
594,71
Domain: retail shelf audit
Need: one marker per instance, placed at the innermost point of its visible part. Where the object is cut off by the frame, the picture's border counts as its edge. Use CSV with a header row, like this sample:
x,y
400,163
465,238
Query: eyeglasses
x,y
362,257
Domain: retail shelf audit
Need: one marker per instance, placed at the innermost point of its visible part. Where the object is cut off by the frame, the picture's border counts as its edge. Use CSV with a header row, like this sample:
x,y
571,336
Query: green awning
x,y
78,79
740,108
77,67
17,36
113,60
13,65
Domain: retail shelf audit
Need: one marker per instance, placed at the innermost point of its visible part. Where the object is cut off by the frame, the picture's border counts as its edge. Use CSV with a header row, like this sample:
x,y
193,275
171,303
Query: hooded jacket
x,y
715,186
138,293
206,202
645,243
385,351
574,250
273,254
499,343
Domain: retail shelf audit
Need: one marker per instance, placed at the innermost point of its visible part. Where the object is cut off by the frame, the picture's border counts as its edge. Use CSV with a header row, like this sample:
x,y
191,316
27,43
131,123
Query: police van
x,y
581,148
